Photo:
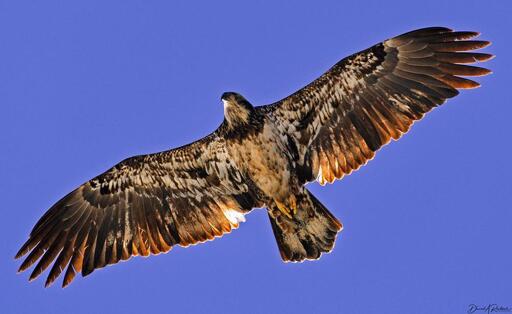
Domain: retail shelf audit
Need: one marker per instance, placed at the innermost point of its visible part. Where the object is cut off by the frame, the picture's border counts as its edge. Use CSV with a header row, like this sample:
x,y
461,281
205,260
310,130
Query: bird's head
x,y
237,110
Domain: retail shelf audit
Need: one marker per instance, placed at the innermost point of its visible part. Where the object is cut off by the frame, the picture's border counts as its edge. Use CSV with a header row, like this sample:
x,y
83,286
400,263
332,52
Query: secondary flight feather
x,y
259,157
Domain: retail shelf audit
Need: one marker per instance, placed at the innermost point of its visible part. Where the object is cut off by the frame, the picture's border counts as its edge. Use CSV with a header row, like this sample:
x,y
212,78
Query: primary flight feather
x,y
258,157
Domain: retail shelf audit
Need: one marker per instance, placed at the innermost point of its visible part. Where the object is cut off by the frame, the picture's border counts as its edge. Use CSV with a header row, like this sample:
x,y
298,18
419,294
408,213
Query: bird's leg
x,y
288,209
293,204
283,209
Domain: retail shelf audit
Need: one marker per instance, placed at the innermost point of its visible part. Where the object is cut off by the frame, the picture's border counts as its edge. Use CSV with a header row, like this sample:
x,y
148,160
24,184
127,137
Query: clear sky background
x,y
428,223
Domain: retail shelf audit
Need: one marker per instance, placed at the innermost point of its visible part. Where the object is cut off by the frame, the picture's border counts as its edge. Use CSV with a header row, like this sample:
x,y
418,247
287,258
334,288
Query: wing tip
x,y
486,43
24,266
23,250
482,57
69,276
441,29
35,274
471,86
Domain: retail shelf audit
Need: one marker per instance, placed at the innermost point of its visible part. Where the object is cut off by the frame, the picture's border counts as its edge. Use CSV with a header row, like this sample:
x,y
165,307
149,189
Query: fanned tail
x,y
309,233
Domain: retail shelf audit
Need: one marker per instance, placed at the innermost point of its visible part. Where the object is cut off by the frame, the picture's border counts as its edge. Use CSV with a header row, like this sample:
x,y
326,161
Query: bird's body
x,y
264,158
258,157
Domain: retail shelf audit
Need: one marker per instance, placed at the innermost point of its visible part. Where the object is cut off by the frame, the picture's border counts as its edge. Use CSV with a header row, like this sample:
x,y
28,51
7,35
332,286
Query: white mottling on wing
x,y
320,178
233,216
110,238
127,229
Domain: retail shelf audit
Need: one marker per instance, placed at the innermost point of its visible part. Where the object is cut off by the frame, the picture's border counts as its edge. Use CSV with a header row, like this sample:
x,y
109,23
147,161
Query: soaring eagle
x,y
259,157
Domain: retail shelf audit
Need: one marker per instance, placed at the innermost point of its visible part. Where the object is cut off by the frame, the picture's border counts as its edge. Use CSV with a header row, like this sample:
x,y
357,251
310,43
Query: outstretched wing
x,y
143,205
341,119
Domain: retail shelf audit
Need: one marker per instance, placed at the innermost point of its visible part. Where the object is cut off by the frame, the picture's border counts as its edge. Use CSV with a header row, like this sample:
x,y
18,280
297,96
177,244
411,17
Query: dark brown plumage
x,y
259,157
374,96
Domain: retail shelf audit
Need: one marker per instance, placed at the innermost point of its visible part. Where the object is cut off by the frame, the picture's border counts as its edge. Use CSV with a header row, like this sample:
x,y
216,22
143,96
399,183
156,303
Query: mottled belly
x,y
265,161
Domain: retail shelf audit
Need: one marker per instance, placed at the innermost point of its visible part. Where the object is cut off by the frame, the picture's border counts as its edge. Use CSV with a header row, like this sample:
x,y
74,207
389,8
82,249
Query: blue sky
x,y
84,85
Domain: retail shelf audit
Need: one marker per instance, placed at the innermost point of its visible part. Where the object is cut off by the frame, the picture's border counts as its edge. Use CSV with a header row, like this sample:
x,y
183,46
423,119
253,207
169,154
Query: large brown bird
x,y
258,157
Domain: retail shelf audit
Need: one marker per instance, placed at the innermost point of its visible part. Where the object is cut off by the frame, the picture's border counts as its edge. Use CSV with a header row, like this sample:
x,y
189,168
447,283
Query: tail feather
x,y
309,233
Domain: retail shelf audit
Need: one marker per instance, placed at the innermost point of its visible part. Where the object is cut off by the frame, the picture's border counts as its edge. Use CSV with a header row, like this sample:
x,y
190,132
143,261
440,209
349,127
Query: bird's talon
x,y
293,204
283,209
